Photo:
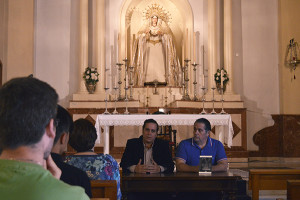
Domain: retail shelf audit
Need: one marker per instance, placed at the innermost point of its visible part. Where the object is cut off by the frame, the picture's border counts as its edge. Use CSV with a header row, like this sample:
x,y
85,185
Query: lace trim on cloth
x,y
180,120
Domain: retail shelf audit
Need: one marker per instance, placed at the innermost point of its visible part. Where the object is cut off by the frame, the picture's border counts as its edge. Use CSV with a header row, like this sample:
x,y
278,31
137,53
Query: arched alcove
x,y
181,24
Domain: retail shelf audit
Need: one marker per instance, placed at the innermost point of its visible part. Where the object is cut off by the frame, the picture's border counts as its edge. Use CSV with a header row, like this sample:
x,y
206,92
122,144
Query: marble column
x,y
228,60
83,57
212,44
100,43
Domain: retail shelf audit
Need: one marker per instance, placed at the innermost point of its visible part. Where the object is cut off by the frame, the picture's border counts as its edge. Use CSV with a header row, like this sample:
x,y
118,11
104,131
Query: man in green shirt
x,y
27,130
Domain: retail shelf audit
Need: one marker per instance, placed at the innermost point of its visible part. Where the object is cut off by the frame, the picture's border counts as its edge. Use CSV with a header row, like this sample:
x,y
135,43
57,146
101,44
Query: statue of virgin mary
x,y
154,54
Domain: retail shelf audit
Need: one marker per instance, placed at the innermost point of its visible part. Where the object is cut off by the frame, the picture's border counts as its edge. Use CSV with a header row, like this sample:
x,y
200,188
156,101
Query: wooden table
x,y
270,179
180,182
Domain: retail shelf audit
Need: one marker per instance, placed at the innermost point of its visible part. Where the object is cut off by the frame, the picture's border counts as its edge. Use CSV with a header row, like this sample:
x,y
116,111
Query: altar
x,y
223,124
193,77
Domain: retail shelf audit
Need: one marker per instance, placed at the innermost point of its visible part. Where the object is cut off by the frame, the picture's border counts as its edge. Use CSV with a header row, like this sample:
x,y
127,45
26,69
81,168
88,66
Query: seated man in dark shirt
x,y
147,154
70,174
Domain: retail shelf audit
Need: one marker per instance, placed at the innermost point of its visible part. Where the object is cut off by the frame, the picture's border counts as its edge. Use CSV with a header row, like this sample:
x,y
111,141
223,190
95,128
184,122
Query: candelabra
x,y
116,98
126,77
166,101
195,81
126,100
131,82
106,111
203,100
185,87
213,101
222,111
120,80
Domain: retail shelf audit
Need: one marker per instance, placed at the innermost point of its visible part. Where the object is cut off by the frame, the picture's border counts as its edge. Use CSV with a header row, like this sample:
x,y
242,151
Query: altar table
x,y
222,122
225,182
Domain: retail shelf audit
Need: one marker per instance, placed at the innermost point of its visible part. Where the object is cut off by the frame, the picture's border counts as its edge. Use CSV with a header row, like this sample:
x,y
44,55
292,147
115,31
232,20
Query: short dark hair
x,y
147,121
64,122
205,122
84,135
26,107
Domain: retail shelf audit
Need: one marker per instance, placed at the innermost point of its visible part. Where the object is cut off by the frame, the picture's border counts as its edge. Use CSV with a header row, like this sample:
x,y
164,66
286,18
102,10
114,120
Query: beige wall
x,y
18,34
289,28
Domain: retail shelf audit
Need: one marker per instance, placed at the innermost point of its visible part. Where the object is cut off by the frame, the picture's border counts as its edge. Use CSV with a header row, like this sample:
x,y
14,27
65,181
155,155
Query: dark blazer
x,y
72,175
134,151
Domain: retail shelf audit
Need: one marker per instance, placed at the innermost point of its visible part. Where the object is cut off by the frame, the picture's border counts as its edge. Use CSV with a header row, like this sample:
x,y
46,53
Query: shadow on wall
x,y
256,120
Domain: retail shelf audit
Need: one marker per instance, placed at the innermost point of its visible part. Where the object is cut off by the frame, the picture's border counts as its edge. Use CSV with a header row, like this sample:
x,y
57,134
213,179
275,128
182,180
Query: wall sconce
x,y
291,58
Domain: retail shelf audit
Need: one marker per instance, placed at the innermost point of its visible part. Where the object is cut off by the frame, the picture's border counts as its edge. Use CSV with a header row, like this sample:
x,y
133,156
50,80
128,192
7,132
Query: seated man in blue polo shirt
x,y
189,150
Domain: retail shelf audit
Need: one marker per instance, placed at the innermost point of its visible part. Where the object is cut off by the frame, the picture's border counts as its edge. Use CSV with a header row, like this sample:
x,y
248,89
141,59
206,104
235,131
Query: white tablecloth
x,y
222,123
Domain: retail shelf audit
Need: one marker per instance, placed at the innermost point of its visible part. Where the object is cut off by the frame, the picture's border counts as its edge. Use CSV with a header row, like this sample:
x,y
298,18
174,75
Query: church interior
x,y
211,58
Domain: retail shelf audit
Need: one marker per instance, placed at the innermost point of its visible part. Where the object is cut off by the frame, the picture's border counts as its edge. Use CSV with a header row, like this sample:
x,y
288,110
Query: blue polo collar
x,y
209,142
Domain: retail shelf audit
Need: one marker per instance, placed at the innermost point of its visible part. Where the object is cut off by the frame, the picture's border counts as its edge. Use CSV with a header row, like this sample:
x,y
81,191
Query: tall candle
x,y
222,74
126,83
194,47
119,48
186,43
114,82
106,78
182,54
125,42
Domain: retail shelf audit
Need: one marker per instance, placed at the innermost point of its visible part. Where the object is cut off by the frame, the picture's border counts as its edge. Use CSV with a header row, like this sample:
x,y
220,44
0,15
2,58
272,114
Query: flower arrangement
x,y
90,75
218,75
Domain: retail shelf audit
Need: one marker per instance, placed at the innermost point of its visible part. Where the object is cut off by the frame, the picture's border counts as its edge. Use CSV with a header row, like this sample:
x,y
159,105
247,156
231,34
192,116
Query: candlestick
x,y
131,82
222,111
186,79
147,91
126,100
203,100
213,100
116,99
120,80
195,81
106,111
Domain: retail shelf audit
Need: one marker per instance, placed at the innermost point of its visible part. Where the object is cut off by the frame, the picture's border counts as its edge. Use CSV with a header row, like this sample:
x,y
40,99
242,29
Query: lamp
x,y
291,58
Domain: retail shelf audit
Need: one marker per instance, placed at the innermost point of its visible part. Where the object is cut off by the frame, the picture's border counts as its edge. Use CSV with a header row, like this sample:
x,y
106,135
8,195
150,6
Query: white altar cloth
x,y
223,123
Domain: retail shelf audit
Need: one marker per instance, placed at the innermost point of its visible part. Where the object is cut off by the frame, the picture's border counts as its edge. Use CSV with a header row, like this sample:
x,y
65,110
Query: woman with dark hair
x,y
97,166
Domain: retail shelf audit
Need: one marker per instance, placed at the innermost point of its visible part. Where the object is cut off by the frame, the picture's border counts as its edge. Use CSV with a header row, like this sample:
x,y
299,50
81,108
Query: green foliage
x,y
90,75
218,76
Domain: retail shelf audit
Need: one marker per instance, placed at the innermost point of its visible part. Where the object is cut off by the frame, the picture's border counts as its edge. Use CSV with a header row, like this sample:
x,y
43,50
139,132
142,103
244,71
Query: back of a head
x,y
84,135
65,122
26,107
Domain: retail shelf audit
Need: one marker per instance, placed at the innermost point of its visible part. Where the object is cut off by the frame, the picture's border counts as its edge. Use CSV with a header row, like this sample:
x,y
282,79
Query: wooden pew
x,y
270,179
293,189
104,189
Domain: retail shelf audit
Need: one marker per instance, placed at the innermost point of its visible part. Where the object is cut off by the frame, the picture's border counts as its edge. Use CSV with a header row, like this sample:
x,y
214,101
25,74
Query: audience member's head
x,y
27,110
84,135
63,130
